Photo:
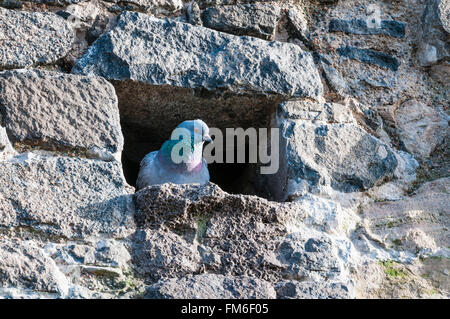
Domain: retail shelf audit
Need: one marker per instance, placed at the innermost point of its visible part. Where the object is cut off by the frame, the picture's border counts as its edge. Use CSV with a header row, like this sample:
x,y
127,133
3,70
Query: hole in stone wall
x,y
149,114
234,178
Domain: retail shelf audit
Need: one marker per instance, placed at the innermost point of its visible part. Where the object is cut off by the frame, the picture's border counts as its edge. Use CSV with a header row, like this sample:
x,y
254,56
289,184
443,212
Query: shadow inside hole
x,y
234,178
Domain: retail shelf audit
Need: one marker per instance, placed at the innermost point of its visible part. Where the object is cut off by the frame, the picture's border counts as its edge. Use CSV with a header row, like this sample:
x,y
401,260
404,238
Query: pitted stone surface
x,y
31,38
56,110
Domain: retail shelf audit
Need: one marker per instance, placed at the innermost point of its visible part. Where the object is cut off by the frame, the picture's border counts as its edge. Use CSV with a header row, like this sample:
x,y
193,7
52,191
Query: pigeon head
x,y
180,158
198,131
185,147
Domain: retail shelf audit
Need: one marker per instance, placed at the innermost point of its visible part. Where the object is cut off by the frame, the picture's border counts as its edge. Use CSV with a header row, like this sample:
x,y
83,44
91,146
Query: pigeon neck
x,y
193,163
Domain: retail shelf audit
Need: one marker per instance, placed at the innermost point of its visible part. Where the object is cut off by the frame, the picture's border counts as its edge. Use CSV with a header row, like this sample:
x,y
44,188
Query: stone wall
x,y
358,89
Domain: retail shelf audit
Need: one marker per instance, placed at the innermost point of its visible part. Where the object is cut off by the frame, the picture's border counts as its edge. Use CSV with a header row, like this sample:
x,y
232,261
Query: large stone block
x,y
30,38
24,265
58,111
322,146
188,228
68,197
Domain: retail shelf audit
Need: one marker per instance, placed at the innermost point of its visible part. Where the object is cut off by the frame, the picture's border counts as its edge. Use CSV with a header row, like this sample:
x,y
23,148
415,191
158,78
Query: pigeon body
x,y
159,167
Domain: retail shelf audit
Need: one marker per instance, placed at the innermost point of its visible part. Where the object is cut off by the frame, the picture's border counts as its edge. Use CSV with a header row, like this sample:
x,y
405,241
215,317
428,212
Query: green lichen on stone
x,y
202,225
393,269
130,283
397,242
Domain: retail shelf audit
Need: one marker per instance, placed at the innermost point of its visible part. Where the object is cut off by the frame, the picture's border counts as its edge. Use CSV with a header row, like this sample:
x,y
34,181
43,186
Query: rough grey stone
x,y
56,110
322,153
258,20
30,38
193,13
311,290
56,2
418,223
379,83
420,127
211,286
24,265
180,217
199,58
381,59
159,253
98,27
187,228
297,25
359,26
334,78
304,255
11,4
209,3
153,5
433,39
62,196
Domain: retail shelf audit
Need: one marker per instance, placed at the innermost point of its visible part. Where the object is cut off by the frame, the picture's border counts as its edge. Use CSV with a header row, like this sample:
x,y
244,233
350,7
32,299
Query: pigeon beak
x,y
207,139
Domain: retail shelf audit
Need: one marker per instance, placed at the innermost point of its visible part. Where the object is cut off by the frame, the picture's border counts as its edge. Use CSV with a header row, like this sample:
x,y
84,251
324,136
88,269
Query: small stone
x,y
257,19
4,141
186,67
381,59
311,290
159,254
194,14
24,265
297,25
211,286
358,26
378,83
6,149
313,111
334,79
432,37
102,271
101,154
420,127
303,256
315,152
441,73
204,51
11,4
96,30
57,2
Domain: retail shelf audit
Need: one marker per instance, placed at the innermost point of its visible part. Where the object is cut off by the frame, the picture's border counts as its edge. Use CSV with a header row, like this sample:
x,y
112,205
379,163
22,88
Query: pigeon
x,y
161,167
